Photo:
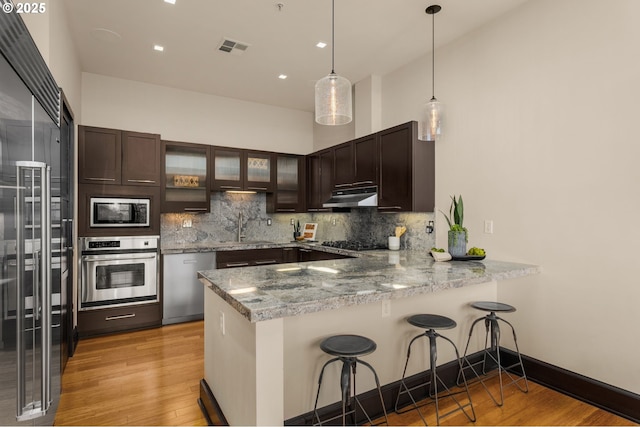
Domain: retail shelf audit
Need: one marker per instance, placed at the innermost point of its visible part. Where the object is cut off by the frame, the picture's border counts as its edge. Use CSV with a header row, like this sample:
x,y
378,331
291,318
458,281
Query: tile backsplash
x,y
221,224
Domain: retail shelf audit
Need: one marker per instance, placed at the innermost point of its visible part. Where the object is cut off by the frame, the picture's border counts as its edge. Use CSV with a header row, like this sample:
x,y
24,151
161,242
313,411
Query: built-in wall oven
x,y
117,271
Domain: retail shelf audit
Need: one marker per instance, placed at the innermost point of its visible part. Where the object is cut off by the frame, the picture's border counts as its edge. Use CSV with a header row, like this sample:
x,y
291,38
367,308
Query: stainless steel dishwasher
x,y
183,294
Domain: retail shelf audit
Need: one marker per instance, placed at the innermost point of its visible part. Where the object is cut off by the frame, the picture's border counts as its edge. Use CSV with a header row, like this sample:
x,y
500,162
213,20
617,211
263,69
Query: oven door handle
x,y
119,257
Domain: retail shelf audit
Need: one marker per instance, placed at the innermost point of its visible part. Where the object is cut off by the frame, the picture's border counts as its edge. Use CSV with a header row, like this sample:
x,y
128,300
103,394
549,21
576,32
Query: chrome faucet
x,y
240,226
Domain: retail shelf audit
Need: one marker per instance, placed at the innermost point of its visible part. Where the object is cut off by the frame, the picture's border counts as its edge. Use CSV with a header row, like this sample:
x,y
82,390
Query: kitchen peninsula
x,y
263,324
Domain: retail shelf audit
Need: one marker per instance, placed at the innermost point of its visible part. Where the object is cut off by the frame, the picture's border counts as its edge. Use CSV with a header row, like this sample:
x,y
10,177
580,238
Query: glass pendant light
x,y
431,123
333,92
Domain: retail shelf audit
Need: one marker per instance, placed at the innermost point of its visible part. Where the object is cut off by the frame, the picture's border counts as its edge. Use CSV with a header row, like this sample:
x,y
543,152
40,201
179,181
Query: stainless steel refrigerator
x,y
31,231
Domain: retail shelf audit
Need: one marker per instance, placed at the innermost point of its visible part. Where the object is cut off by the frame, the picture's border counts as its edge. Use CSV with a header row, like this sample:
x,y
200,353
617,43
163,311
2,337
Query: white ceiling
x,y
371,37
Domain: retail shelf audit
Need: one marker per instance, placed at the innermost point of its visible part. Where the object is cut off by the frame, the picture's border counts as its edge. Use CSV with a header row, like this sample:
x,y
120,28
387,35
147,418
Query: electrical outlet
x,y
386,308
293,221
269,222
488,226
333,221
186,223
222,325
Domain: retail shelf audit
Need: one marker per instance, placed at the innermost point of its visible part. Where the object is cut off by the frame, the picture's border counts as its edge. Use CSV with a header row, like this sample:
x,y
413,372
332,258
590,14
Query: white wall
x,y
541,138
182,115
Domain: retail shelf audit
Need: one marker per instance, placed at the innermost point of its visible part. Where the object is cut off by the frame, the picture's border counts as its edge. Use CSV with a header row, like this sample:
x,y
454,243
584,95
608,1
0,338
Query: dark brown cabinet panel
x,y
248,257
141,155
356,163
407,170
319,180
306,255
236,169
185,179
99,155
117,319
289,193
116,157
290,254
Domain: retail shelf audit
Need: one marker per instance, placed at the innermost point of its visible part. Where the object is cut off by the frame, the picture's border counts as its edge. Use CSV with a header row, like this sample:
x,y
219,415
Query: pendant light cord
x,y
333,34
433,55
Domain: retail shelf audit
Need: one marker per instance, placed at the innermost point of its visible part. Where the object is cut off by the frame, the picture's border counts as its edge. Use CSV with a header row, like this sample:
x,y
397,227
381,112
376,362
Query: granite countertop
x,y
283,290
235,246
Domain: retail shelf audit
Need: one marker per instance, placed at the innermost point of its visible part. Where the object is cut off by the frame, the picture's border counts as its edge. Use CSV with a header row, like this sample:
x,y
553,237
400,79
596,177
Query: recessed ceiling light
x,y
282,76
158,48
321,45
170,1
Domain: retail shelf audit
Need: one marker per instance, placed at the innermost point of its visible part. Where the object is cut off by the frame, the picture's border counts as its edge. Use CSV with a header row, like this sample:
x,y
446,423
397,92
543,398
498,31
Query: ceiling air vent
x,y
232,46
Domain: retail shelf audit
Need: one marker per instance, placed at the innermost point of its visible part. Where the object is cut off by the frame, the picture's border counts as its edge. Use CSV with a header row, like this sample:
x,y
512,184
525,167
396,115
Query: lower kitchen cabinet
x,y
306,255
182,292
118,319
249,257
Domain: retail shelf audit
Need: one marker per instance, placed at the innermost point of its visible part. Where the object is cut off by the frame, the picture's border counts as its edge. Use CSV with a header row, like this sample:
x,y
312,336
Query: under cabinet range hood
x,y
353,198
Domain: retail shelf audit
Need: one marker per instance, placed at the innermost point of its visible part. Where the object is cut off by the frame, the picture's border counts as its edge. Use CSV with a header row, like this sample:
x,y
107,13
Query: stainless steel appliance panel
x,y
182,292
119,212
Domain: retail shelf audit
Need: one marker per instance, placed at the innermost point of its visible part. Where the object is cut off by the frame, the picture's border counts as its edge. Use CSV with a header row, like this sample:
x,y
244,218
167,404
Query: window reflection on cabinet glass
x,y
186,176
227,166
287,173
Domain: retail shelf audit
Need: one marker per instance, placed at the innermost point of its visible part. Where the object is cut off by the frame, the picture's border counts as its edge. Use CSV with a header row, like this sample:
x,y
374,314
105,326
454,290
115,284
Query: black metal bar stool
x,y
431,322
491,362
347,349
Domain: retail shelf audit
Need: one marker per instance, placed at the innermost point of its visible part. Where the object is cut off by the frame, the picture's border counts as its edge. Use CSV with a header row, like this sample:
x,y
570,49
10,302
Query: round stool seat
x,y
431,321
493,306
348,345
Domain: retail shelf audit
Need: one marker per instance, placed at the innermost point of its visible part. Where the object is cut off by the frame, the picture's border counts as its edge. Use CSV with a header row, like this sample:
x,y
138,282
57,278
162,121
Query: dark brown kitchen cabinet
x,y
99,155
117,319
185,179
116,157
306,255
290,254
289,192
407,170
356,163
319,180
242,170
248,257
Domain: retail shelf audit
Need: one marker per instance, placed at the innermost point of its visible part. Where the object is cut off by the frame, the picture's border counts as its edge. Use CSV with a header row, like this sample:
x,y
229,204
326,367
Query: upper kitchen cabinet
x,y
319,180
242,170
407,170
115,157
289,194
356,163
185,181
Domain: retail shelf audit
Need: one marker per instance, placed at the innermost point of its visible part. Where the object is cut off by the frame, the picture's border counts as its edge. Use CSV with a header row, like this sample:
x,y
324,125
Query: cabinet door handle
x,y
389,207
122,316
142,181
100,179
285,210
236,264
318,210
362,182
342,185
230,187
257,188
195,209
267,261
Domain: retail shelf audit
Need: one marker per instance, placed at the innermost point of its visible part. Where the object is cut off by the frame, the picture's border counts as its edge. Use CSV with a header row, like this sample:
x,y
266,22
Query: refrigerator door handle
x,y
41,291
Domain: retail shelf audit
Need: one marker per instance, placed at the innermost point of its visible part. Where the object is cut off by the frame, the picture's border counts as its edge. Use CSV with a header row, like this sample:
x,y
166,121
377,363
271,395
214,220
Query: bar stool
x,y
347,349
491,353
431,322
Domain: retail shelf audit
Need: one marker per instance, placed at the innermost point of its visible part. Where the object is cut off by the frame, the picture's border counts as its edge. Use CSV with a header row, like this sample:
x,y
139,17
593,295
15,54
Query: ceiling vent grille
x,y
233,47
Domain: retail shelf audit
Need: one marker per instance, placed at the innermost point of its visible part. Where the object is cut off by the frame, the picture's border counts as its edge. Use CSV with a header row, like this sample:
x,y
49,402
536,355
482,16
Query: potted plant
x,y
457,235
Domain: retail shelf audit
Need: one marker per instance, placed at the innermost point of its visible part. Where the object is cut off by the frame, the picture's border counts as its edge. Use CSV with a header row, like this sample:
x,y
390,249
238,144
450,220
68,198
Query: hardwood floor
x,y
540,407
152,377
147,377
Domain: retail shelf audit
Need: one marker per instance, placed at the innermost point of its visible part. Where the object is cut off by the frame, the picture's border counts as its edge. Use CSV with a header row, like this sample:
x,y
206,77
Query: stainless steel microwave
x,y
119,212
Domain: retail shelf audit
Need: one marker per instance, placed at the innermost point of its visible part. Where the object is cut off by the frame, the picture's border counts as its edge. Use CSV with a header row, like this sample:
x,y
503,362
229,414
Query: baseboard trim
x,y
604,396
209,406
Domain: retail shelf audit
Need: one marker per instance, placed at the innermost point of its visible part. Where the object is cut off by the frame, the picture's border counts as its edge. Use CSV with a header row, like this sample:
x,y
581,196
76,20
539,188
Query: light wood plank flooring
x,y
152,378
146,377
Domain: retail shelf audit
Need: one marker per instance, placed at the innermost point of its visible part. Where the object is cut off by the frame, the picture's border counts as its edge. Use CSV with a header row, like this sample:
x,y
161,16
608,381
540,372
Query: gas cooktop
x,y
353,245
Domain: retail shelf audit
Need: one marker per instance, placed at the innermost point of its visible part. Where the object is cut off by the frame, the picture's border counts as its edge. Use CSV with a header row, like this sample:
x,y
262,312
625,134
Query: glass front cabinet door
x,y
185,180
